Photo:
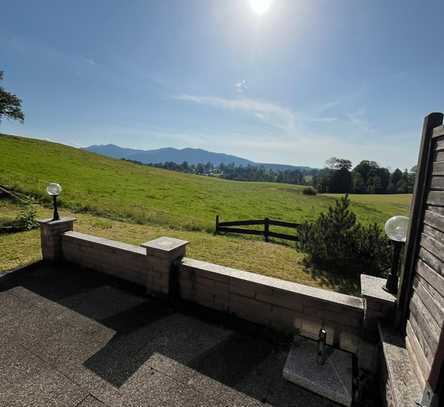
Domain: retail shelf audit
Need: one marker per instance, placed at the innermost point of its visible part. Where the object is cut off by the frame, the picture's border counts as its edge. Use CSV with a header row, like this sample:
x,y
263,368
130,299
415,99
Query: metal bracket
x,y
429,398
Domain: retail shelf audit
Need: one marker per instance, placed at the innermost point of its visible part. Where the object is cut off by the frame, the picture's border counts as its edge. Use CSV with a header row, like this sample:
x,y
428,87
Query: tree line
x,y
239,173
365,178
338,176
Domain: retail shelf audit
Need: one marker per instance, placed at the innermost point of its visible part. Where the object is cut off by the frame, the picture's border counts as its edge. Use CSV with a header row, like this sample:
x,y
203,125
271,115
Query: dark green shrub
x,y
337,241
309,191
26,220
27,217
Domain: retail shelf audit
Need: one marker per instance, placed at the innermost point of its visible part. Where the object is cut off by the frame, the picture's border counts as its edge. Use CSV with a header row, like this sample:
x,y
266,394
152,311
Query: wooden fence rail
x,y
227,227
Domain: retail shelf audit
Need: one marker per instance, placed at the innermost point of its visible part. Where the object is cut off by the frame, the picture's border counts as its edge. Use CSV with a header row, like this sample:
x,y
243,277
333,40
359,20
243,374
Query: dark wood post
x,y
422,186
266,229
217,225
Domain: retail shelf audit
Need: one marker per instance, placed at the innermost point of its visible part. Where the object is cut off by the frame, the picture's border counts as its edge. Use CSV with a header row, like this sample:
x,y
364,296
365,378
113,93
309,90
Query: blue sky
x,y
306,80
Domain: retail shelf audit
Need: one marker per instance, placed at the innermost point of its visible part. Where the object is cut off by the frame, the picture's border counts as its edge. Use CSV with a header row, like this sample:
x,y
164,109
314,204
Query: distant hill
x,y
178,156
191,155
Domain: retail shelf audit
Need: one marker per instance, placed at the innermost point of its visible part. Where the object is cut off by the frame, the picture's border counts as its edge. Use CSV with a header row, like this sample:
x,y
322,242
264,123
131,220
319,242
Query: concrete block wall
x,y
108,256
51,232
260,299
379,305
275,303
161,254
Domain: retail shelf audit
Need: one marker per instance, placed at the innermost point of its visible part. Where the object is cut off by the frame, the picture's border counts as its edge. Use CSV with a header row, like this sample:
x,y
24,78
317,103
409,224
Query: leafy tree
x,y
337,177
410,180
10,105
395,179
396,176
341,181
185,167
338,163
383,181
406,183
368,171
322,181
359,185
200,169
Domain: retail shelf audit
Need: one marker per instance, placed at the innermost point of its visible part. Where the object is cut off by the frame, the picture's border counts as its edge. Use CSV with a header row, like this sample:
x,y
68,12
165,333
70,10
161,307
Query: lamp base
x,y
392,284
55,215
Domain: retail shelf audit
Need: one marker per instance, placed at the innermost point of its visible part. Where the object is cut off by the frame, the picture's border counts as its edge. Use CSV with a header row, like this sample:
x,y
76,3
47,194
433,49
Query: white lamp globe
x,y
53,189
396,228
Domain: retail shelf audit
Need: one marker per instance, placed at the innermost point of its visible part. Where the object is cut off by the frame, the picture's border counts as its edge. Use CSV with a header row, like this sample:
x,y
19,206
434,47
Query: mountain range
x,y
190,155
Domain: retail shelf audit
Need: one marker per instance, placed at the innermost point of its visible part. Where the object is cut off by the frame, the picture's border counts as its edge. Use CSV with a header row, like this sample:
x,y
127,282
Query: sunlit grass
x,y
135,203
139,194
232,251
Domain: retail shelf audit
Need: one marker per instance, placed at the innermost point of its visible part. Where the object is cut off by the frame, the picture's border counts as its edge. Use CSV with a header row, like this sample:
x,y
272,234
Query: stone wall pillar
x,y
378,303
51,232
161,254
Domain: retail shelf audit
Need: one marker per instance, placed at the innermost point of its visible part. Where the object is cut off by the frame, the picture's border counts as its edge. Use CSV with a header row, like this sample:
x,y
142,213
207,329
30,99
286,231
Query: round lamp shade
x,y
396,228
53,189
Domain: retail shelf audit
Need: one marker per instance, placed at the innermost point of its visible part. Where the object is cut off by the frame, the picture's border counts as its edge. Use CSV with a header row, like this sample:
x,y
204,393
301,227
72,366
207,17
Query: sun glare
x,y
260,7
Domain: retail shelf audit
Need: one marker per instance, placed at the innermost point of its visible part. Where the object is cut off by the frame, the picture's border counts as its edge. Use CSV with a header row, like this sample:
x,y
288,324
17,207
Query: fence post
x,y
217,224
266,229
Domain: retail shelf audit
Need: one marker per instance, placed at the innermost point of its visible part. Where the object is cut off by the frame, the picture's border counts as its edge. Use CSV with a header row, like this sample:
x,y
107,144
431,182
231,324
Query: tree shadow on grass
x,y
346,282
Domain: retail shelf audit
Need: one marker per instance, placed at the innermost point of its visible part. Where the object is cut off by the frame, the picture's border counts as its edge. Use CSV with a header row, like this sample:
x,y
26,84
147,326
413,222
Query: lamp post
x,y
54,190
396,230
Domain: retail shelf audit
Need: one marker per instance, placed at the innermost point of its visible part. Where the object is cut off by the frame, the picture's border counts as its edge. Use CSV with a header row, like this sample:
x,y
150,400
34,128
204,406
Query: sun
x,y
260,7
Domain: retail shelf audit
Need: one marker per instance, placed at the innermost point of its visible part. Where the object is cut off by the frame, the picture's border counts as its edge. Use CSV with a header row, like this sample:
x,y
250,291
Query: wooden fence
x,y
227,227
421,294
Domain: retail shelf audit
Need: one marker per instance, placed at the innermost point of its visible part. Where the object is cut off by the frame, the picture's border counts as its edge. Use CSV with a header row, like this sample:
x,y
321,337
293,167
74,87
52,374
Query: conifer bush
x,y
337,241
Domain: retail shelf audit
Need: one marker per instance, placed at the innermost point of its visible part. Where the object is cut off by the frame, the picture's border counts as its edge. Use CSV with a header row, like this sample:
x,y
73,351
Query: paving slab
x,y
28,326
176,336
94,384
332,380
9,303
79,338
71,345
155,389
26,380
45,388
91,401
102,302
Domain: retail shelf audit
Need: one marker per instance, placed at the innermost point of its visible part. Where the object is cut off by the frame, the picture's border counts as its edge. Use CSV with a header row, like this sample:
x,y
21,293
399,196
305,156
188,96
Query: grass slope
x,y
256,256
121,190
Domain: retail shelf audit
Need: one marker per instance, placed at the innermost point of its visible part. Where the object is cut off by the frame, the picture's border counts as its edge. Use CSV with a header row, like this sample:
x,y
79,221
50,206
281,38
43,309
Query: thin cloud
x,y
270,113
241,86
90,61
327,106
359,119
322,119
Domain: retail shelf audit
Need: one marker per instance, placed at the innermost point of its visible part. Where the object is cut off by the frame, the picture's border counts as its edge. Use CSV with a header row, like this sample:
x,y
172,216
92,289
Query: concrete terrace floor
x,y
72,337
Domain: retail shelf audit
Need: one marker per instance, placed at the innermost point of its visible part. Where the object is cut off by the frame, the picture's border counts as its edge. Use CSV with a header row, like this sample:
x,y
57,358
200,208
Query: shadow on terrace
x,y
111,343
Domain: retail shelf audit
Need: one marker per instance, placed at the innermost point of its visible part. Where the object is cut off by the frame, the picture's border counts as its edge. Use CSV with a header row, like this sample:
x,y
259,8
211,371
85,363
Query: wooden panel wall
x,y
425,323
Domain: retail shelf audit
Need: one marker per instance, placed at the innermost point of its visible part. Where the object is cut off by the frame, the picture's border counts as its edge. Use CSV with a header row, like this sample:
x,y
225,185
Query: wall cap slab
x,y
372,287
318,294
164,246
106,242
56,222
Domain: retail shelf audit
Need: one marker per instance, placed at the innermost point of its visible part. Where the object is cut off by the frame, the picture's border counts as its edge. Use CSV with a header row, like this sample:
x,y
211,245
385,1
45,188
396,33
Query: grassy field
x,y
247,254
125,191
134,203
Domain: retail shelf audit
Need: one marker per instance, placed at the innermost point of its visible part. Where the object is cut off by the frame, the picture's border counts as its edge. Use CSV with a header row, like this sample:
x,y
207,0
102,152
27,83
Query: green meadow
x,y
125,191
135,203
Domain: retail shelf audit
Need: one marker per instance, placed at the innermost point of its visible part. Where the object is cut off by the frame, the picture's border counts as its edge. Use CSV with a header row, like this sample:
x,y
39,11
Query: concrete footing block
x,y
332,380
